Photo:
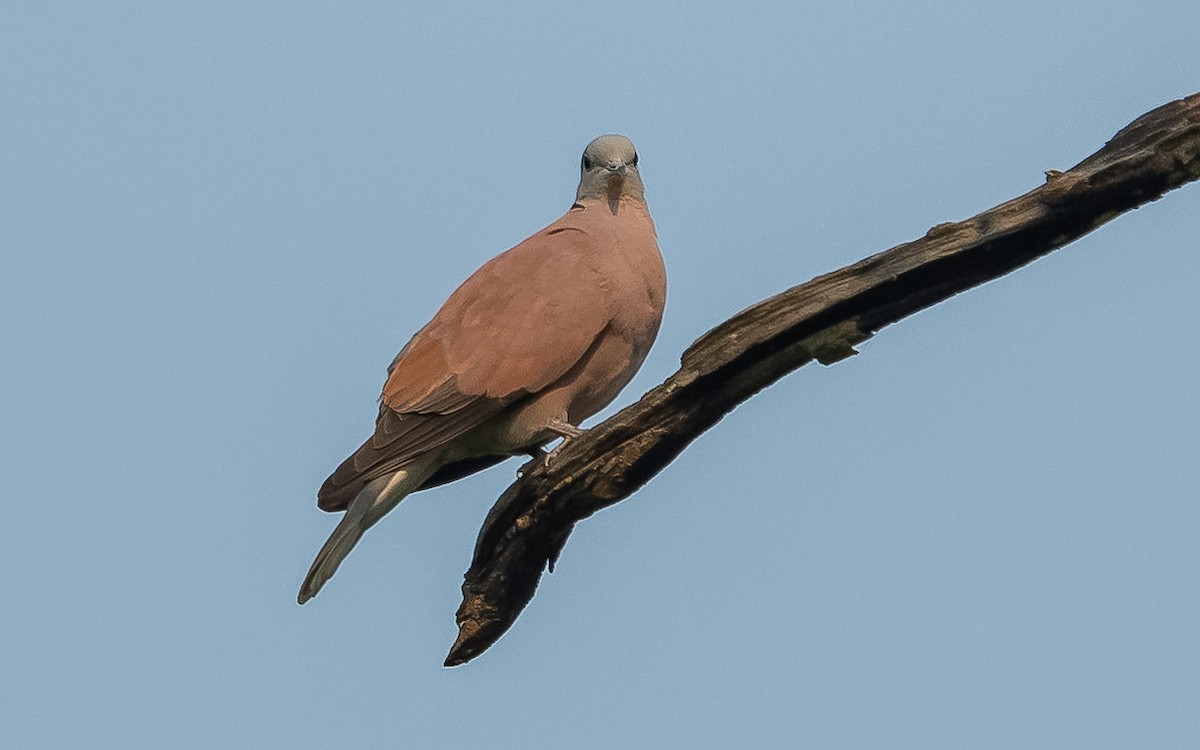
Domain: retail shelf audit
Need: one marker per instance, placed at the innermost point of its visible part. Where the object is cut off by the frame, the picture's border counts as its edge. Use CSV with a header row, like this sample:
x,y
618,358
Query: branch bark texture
x,y
820,320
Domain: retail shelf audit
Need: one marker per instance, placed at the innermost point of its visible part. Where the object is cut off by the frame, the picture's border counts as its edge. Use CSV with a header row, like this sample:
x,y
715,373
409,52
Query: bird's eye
x,y
587,162
634,162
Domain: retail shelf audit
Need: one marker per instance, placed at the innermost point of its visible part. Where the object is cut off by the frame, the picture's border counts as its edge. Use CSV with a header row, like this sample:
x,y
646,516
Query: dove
x,y
537,340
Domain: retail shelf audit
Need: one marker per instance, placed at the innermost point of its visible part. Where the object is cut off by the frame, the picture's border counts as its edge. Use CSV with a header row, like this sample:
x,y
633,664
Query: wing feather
x,y
516,326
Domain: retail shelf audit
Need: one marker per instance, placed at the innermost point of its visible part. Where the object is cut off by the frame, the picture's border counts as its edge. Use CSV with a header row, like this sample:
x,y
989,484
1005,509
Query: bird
x,y
538,339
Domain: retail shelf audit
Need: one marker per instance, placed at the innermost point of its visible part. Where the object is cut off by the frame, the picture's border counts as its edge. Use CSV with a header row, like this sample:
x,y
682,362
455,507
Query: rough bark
x,y
821,320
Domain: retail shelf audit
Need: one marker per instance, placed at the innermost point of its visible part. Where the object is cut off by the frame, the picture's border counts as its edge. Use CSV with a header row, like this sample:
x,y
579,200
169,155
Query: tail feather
x,y
339,544
371,504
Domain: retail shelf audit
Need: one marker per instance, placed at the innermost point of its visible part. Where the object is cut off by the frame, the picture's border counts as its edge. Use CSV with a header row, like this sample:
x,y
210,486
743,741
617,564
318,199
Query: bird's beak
x,y
615,177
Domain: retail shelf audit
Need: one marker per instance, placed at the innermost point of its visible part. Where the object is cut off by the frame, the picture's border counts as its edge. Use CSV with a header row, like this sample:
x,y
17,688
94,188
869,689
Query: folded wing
x,y
516,326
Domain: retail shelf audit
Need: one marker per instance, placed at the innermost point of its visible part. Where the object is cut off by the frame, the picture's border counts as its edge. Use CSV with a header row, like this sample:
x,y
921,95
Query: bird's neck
x,y
615,205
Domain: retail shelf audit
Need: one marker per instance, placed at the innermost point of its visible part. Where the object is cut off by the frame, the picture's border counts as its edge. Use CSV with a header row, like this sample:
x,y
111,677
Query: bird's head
x,y
609,171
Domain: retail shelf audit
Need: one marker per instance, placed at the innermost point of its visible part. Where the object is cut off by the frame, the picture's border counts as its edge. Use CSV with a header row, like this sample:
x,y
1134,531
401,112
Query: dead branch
x,y
821,320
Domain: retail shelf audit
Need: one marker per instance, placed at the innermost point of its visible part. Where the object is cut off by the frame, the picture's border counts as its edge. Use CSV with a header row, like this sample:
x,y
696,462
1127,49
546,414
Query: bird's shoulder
x,y
513,327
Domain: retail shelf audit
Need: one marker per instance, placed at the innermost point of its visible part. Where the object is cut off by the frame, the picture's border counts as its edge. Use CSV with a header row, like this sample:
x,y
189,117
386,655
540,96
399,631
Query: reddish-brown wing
x,y
515,326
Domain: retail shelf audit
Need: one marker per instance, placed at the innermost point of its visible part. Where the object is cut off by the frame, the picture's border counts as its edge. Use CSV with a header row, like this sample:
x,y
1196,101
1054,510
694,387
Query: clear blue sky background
x,y
218,224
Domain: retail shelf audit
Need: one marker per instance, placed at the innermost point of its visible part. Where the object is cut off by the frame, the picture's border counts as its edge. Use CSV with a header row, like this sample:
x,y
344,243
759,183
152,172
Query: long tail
x,y
339,544
370,505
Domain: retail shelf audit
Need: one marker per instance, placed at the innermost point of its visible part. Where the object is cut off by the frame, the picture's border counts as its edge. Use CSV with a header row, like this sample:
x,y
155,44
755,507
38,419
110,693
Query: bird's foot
x,y
563,429
567,432
541,458
553,454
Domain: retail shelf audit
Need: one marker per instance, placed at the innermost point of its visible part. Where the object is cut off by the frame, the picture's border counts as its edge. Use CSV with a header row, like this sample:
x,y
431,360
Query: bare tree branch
x,y
822,320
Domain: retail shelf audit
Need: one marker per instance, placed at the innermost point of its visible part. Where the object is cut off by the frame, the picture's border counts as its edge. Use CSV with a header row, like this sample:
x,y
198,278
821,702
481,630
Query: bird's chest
x,y
632,276
633,302
635,291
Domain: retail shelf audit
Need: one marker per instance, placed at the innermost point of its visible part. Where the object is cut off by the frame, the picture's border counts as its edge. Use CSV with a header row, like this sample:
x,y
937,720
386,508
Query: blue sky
x,y
218,223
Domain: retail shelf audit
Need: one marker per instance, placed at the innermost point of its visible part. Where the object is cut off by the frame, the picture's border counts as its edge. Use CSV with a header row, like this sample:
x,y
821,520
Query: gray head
x,y
609,170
